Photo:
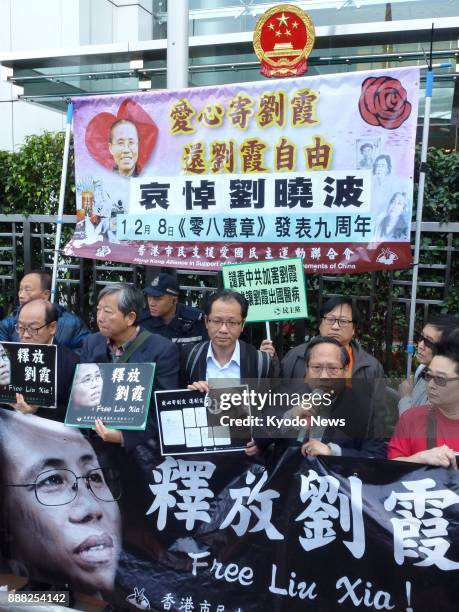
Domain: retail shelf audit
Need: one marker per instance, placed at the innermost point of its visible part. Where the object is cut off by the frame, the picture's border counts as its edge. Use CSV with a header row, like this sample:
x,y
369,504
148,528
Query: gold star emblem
x,y
271,26
295,24
278,33
288,33
283,20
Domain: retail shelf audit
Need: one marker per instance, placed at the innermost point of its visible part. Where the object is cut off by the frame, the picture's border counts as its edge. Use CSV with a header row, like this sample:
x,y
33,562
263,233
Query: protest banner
x,y
28,369
201,177
331,533
117,393
189,421
275,290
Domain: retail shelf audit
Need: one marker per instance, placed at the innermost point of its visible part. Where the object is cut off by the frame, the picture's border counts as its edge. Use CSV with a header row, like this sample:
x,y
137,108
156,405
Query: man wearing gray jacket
x,y
339,319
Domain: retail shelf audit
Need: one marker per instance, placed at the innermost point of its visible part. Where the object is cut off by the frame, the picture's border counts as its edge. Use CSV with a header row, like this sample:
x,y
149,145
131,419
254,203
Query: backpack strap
x,y
193,358
137,343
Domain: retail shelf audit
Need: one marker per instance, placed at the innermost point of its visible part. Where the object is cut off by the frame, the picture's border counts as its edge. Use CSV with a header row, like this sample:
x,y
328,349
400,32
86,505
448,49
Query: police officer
x,y
167,317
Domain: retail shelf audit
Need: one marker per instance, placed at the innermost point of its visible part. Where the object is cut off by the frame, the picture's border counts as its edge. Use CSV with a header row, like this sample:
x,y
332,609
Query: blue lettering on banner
x,y
319,227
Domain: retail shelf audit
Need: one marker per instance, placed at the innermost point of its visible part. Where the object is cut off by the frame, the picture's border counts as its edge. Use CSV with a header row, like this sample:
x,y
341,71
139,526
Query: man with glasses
x,y
346,420
429,434
59,505
225,356
339,319
37,324
327,364
414,391
70,329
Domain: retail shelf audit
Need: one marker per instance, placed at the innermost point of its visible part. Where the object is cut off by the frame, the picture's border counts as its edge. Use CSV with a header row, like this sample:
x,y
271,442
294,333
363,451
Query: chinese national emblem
x,y
283,39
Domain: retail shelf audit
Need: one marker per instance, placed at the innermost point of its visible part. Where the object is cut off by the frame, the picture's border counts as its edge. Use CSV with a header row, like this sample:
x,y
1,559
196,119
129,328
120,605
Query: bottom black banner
x,y
217,532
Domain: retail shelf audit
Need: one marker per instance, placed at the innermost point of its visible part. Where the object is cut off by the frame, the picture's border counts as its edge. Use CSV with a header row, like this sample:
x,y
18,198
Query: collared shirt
x,y
115,352
232,369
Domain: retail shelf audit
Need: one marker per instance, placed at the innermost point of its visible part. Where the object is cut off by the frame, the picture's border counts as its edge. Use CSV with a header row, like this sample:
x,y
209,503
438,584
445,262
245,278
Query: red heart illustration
x,y
98,134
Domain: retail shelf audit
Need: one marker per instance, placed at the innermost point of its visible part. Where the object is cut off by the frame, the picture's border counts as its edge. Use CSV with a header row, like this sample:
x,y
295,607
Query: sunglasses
x,y
430,344
440,381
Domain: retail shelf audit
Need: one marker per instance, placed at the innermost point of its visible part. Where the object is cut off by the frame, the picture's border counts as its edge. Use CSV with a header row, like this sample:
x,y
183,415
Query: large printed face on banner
x,y
206,176
59,503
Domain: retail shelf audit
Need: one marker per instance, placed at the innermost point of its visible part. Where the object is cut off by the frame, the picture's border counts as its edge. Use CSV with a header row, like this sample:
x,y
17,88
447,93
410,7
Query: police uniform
x,y
187,326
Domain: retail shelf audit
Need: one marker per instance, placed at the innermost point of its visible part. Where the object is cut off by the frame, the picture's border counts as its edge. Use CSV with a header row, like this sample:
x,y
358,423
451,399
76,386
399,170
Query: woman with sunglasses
x,y
429,434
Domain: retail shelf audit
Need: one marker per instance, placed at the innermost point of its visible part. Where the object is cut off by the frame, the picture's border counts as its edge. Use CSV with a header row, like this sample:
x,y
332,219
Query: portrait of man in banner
x,y
367,151
122,142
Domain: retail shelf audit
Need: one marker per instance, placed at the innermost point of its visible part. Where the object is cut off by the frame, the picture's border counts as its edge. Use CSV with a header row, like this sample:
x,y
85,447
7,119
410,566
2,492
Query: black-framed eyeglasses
x,y
430,344
33,331
342,322
317,370
220,322
440,381
58,487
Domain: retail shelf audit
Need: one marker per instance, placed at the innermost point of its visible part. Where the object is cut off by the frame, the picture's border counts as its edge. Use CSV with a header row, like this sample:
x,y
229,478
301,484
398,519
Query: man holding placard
x,y
225,356
37,324
120,340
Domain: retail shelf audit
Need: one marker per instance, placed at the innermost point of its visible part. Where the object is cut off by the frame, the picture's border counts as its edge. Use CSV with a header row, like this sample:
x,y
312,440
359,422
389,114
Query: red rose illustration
x,y
383,102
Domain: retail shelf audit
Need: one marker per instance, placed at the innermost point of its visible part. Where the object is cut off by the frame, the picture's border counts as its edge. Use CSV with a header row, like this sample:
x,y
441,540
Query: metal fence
x,y
27,243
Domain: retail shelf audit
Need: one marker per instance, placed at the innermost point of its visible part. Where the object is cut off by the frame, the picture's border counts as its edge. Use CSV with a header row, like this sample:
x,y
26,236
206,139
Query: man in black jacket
x,y
120,339
37,324
224,356
337,417
70,329
166,316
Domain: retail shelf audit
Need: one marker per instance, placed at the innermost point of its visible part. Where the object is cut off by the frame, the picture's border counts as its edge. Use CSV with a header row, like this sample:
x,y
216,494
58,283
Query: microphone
x,y
316,431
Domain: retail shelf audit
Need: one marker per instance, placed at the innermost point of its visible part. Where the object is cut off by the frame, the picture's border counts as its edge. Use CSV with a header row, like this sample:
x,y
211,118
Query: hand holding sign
x,y
268,347
22,406
115,436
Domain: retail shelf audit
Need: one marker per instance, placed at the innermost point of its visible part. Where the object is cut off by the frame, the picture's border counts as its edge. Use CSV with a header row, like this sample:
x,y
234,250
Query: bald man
x,y
70,330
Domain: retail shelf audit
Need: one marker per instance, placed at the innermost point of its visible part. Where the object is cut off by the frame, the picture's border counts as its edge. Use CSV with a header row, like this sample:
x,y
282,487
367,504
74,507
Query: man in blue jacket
x,y
70,329
120,339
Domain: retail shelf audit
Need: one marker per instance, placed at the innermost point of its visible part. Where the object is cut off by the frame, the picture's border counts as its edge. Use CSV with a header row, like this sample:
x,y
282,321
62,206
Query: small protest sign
x,y
117,393
29,369
275,290
192,422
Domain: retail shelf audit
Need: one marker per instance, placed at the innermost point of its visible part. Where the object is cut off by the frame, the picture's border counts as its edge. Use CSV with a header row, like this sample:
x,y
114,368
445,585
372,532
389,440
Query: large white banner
x,y
319,168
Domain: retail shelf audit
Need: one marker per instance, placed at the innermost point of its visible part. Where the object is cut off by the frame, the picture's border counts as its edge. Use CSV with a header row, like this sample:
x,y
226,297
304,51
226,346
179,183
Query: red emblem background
x,y
283,39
